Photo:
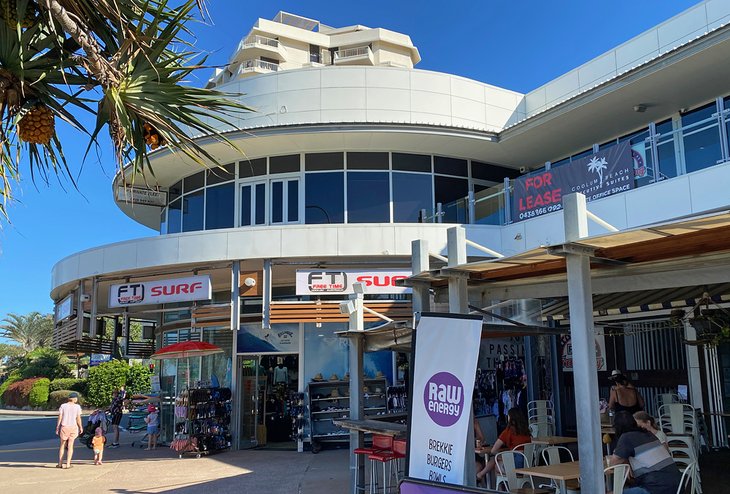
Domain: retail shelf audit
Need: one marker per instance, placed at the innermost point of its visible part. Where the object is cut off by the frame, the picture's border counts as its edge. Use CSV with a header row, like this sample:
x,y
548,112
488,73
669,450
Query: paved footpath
x,y
30,468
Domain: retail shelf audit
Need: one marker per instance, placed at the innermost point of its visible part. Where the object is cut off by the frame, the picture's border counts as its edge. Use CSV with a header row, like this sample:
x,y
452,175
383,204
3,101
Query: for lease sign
x,y
161,291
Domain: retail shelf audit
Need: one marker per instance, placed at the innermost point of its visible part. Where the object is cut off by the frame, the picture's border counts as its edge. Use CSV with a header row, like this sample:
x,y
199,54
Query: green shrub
x,y
46,362
39,393
138,379
14,377
78,385
18,393
104,379
58,398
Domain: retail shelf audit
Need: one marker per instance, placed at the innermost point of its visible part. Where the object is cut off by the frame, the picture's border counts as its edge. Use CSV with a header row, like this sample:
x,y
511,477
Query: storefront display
x,y
202,421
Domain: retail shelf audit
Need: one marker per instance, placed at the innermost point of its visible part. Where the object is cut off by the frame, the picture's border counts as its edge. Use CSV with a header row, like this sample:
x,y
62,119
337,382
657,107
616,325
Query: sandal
x,y
59,466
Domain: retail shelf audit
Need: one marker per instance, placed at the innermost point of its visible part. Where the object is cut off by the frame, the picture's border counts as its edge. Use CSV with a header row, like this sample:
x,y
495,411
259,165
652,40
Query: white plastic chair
x,y
506,476
528,449
617,475
551,455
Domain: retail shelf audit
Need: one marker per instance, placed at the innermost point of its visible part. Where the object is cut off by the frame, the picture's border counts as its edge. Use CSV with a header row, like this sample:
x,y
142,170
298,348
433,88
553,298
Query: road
x,y
16,429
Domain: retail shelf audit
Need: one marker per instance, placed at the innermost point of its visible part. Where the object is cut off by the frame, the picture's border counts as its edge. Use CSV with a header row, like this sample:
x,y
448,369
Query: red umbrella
x,y
186,349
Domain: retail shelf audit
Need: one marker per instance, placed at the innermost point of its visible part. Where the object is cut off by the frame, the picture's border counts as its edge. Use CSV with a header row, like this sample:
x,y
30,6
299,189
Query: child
x,y
98,445
152,429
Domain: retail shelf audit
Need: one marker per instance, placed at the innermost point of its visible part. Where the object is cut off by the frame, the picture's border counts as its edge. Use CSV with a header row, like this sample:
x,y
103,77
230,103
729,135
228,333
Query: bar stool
x,y
380,443
389,459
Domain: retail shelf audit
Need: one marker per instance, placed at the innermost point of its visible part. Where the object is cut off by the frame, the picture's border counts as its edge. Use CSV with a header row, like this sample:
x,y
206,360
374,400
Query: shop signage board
x,y
445,359
161,291
98,358
317,282
566,353
603,174
63,308
279,338
142,196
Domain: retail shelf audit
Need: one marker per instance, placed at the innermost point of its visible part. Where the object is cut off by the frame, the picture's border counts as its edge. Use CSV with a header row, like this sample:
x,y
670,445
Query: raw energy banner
x,y
600,175
446,351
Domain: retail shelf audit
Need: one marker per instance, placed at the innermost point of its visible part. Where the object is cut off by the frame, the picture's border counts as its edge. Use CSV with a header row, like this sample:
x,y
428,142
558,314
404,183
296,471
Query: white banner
x,y
161,291
143,197
334,281
447,347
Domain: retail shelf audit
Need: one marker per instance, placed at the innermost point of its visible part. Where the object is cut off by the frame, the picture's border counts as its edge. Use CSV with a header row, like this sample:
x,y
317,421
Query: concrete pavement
x,y
30,468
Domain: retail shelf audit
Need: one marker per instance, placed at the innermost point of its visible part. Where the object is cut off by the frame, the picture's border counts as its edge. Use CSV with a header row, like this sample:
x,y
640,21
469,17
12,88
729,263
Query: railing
x,y
360,51
252,65
255,40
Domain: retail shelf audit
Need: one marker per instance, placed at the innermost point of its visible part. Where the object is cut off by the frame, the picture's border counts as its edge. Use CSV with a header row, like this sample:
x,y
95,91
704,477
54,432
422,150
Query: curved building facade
x,y
349,155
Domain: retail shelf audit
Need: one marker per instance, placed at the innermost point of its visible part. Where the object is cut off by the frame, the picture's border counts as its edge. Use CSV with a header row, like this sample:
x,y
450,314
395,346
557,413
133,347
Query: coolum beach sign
x,y
445,380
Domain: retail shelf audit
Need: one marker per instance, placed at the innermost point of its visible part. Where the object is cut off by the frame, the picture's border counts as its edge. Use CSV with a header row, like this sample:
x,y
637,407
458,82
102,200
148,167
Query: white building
x,y
351,154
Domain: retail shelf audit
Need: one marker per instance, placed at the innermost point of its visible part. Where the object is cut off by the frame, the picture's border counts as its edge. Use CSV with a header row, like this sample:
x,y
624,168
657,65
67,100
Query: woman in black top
x,y
624,396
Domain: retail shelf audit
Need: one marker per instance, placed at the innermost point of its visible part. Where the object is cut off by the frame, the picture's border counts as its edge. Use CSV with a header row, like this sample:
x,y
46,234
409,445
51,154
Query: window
x,y
702,140
450,166
285,201
163,221
492,173
367,161
174,216
641,155
667,166
412,192
284,164
192,215
221,174
193,182
450,192
325,198
219,206
324,161
368,197
252,168
412,162
174,191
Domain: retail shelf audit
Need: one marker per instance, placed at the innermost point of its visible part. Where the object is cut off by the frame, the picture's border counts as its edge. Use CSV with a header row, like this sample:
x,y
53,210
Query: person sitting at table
x,y
647,422
515,434
479,439
624,396
653,468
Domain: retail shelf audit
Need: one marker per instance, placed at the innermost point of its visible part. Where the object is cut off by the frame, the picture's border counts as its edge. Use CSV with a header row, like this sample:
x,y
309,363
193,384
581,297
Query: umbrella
x,y
186,350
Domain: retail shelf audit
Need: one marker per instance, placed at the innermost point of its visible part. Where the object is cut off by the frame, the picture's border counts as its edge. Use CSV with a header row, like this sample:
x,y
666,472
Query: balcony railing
x,y
256,40
360,51
257,66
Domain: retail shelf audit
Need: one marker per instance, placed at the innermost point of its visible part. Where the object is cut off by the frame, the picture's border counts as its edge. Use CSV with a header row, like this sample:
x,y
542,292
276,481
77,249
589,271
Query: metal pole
x,y
235,323
266,295
357,411
584,350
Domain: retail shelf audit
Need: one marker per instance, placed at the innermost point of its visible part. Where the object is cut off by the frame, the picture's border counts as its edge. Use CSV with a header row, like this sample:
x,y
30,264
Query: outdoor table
x,y
553,440
373,426
559,471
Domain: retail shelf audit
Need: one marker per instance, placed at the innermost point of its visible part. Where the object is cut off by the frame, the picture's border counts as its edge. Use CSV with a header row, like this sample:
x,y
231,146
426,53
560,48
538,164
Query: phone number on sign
x,y
540,211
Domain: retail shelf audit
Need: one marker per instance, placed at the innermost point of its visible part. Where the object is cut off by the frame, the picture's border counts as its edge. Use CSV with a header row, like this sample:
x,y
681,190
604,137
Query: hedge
x,y
39,393
104,379
18,393
14,377
78,385
58,398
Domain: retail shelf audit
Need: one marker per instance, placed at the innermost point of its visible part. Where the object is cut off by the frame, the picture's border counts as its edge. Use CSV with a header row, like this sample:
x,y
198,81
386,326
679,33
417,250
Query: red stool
x,y
381,443
389,459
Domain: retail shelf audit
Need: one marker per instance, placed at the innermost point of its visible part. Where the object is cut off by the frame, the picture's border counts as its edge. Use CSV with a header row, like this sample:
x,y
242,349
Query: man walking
x,y
68,428
116,411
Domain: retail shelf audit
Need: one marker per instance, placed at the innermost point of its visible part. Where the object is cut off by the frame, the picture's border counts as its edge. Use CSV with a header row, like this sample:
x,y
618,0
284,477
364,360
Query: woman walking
x,y
68,428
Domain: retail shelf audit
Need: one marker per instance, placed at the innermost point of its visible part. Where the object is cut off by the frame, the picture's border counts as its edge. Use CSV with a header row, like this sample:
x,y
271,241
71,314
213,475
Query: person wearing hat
x,y
624,396
152,428
68,428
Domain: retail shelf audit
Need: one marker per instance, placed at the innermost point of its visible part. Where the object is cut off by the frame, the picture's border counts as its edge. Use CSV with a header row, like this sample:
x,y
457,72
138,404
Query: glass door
x,y
253,204
285,201
252,379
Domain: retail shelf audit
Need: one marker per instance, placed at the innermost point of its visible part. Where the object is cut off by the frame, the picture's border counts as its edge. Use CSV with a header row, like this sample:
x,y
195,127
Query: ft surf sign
x,y
161,291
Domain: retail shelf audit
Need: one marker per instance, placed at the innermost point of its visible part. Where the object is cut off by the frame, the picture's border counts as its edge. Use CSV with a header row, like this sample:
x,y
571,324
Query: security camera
x,y
249,282
85,297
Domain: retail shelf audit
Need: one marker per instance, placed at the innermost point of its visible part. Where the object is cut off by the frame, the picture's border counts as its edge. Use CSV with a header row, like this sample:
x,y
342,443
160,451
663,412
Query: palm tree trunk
x,y
99,66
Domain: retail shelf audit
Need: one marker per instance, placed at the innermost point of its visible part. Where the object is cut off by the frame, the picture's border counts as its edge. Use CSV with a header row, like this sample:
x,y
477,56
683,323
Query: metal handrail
x,y
258,40
352,52
249,65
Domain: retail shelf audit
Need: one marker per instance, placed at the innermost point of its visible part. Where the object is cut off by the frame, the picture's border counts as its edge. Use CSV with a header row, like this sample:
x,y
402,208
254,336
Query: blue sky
x,y
518,45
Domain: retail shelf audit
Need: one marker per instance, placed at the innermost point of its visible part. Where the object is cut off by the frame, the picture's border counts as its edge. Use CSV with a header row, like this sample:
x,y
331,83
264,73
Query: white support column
x,y
458,295
694,371
235,323
584,347
419,264
94,307
357,406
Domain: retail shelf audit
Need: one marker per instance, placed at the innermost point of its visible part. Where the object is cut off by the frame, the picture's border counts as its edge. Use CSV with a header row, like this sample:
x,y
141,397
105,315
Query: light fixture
x,y
640,108
518,236
347,307
358,288
249,282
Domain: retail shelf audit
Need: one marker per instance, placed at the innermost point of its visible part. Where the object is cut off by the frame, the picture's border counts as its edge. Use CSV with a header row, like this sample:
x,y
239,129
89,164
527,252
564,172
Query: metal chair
x,y
506,476
617,475
380,443
529,450
689,480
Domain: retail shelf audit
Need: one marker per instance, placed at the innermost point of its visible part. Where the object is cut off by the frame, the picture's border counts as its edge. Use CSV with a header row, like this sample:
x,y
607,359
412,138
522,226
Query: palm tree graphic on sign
x,y
597,166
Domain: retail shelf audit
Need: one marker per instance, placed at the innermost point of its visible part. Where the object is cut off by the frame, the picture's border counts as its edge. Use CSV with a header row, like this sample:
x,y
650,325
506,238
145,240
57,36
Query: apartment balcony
x,y
254,67
361,55
256,46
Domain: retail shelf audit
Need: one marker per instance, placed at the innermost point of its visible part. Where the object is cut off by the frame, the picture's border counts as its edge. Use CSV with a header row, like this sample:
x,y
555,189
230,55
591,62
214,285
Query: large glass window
x,y
285,201
219,206
193,182
325,198
412,192
450,166
324,161
368,197
667,166
192,216
221,174
284,164
701,138
641,156
163,221
491,172
450,192
367,161
412,162
293,200
174,216
252,168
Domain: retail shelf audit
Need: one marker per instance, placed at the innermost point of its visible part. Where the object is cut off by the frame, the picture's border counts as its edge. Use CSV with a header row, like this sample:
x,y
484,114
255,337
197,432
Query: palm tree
x,y
30,331
125,61
597,166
